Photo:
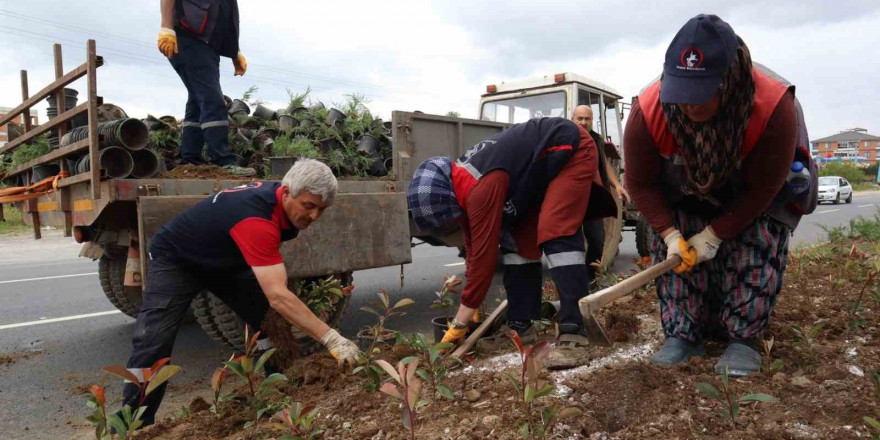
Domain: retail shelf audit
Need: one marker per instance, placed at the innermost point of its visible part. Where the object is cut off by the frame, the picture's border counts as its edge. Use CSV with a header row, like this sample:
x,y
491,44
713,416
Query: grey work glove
x,y
343,350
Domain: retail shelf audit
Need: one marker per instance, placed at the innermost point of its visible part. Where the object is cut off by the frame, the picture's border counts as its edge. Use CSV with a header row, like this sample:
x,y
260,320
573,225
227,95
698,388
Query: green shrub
x,y
846,170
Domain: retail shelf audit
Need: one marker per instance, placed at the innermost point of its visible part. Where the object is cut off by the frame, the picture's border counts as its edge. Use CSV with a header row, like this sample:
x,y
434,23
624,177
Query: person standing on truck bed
x,y
229,244
528,189
594,230
709,147
194,35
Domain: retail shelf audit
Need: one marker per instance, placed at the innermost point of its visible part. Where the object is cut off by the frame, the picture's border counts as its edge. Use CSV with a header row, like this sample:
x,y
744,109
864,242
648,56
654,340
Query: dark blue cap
x,y
697,59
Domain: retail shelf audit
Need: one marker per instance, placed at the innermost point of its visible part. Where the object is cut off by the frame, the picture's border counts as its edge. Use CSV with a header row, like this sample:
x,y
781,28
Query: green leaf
x,y
545,390
423,374
548,415
708,389
725,378
121,372
237,369
162,376
404,302
734,409
529,394
445,391
358,370
409,359
265,357
248,424
247,364
524,430
383,297
757,398
776,365
370,310
515,383
273,379
872,422
119,425
571,411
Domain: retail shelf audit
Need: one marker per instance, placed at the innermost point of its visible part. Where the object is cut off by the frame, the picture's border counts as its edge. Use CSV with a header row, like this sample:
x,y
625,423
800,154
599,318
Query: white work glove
x,y
677,245
343,350
706,243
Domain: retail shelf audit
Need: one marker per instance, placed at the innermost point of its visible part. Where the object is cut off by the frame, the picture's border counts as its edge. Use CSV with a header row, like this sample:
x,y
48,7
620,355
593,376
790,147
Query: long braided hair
x,y
711,149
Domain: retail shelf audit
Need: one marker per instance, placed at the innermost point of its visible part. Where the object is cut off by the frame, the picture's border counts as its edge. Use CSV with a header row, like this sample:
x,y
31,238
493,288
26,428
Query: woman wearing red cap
x,y
709,147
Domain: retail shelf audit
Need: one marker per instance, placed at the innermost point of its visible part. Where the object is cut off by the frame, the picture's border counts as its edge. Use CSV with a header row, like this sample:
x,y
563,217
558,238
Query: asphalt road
x,y
58,330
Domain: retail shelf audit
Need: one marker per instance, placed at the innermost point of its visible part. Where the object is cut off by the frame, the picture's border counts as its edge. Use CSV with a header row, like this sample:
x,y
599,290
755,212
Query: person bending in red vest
x,y
526,189
708,149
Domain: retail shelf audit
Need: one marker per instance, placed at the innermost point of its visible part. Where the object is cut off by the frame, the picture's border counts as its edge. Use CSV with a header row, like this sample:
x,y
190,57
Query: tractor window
x,y
592,100
612,120
516,110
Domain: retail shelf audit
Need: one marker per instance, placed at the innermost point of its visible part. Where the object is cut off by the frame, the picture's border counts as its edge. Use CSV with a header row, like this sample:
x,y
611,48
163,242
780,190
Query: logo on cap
x,y
691,59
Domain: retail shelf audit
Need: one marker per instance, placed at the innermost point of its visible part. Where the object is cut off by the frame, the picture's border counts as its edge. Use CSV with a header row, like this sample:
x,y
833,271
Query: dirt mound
x,y
190,171
9,359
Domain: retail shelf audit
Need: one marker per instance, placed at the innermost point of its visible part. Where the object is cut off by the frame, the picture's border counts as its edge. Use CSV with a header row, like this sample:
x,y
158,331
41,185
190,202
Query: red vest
x,y
768,92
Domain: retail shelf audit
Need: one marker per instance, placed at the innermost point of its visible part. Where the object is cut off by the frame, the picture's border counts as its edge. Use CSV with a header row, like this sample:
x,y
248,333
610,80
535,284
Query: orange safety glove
x,y
677,245
167,42
454,335
240,63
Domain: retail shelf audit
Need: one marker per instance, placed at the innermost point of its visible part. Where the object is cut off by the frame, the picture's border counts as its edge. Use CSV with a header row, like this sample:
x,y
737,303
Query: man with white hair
x,y
229,244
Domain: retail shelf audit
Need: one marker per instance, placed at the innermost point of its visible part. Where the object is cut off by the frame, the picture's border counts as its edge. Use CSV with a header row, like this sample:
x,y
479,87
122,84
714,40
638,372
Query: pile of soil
x,y
9,359
621,395
204,172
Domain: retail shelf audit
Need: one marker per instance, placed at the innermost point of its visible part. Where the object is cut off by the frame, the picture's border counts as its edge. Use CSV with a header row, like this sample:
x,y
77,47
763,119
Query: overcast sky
x,y
439,56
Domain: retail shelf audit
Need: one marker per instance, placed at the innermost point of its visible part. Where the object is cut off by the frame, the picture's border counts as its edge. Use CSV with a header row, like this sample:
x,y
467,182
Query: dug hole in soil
x,y
820,396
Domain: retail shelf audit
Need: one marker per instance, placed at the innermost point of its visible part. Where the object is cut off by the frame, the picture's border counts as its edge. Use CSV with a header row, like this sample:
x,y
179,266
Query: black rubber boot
x,y
676,350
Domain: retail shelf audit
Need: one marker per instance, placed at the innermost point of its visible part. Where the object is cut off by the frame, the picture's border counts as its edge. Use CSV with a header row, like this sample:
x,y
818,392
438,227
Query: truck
x,y
368,227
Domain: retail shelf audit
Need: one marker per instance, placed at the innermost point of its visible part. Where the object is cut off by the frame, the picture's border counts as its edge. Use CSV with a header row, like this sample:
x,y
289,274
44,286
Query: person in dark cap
x,y
709,147
528,189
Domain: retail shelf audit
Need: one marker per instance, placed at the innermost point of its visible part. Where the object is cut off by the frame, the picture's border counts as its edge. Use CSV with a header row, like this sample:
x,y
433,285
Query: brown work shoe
x,y
570,351
500,340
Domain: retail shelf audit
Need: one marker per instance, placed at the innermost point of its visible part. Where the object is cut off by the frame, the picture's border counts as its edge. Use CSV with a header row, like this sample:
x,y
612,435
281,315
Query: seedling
x,y
217,380
435,370
322,296
529,388
384,313
873,426
732,402
98,418
855,320
805,340
128,419
770,367
445,295
408,389
299,419
246,368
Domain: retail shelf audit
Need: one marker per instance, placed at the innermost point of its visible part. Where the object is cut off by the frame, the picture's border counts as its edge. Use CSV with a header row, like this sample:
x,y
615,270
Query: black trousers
x,y
594,231
171,288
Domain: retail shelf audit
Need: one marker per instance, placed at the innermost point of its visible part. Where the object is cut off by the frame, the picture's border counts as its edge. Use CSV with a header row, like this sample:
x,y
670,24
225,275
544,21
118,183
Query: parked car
x,y
834,189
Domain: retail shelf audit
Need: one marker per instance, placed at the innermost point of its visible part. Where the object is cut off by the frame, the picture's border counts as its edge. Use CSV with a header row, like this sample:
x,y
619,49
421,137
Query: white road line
x,y
823,212
66,318
461,263
49,278
869,204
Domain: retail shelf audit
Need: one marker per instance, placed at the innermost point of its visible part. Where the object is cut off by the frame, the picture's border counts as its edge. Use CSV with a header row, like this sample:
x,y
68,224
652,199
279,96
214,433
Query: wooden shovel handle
x,y
602,298
478,333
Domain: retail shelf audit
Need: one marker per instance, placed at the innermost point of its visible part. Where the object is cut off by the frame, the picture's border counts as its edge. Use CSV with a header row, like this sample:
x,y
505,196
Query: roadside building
x,y
4,130
854,144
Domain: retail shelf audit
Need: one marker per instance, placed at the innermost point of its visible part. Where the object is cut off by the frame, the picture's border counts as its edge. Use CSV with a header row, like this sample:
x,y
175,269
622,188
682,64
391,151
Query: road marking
x,y
66,318
830,210
869,204
460,263
49,278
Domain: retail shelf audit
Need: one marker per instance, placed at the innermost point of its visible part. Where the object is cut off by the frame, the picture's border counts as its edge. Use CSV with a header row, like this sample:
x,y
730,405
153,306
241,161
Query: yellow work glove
x,y
240,63
167,42
677,245
454,335
343,350
706,244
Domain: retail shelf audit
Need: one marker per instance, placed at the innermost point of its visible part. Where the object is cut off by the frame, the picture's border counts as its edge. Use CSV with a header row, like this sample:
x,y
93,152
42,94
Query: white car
x,y
834,189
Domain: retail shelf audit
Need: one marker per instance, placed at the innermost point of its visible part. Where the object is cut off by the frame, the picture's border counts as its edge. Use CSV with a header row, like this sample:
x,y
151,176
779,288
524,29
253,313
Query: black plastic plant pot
x,y
264,112
239,108
145,164
549,309
365,338
264,142
244,134
377,168
70,98
293,110
280,112
43,171
154,124
440,325
329,144
228,101
389,164
115,161
335,118
279,166
71,164
316,106
368,145
305,123
287,123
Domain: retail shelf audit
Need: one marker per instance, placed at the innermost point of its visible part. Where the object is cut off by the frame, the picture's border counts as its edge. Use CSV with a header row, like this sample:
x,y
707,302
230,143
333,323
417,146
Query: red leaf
x,y
514,336
122,372
159,364
217,378
98,392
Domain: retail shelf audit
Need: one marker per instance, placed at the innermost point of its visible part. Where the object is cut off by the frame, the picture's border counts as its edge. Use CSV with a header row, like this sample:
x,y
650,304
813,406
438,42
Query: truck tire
x,y
224,325
111,273
644,236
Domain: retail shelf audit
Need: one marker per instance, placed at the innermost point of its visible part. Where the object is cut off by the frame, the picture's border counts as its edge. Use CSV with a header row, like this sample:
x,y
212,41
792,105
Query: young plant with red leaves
x,y
247,369
299,419
383,311
408,389
98,418
128,420
530,387
217,380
